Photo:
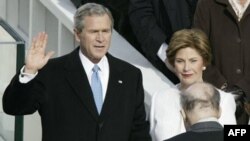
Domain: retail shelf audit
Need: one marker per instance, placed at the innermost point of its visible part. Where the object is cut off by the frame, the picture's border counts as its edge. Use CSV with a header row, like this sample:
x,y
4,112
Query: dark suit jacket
x,y
203,131
62,95
154,22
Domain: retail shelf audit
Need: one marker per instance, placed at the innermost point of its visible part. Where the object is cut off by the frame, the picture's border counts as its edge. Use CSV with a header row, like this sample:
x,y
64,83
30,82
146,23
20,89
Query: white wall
x,y
3,9
7,70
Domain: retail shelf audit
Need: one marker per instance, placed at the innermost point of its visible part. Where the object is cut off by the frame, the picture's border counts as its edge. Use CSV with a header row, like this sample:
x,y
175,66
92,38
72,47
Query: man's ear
x,y
77,35
183,114
219,113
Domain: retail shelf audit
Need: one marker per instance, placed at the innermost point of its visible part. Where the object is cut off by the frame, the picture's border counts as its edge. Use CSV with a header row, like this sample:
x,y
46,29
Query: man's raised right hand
x,y
37,57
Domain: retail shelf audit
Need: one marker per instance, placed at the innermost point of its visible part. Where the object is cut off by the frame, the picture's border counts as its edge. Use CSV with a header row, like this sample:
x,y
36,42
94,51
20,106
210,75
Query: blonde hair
x,y
192,38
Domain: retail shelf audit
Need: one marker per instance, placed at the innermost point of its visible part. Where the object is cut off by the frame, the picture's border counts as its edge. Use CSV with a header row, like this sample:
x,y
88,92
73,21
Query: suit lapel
x,y
247,12
77,78
229,8
114,87
231,11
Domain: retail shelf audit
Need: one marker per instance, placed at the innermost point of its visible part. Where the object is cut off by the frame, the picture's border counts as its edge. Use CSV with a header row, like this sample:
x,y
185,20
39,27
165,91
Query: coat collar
x,y
230,9
227,5
206,126
77,78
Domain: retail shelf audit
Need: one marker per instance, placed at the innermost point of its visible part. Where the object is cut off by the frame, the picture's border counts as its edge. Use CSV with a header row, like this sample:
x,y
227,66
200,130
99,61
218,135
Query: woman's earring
x,y
204,68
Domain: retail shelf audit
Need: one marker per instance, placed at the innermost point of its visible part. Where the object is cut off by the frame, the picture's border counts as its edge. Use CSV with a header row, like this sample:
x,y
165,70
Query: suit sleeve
x,y
22,99
140,129
144,24
202,19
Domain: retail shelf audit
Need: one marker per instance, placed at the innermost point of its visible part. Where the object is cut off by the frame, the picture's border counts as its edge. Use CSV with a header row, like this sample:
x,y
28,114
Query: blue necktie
x,y
96,87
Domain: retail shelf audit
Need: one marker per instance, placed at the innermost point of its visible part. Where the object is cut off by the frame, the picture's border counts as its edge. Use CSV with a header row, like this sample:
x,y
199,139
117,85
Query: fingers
x,y
44,40
37,57
40,41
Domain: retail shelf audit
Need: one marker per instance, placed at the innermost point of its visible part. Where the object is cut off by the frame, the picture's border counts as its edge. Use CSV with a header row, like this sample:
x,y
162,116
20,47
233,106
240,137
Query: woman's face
x,y
188,65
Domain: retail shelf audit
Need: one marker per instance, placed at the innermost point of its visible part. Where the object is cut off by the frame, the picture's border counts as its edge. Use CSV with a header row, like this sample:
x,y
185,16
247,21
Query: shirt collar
x,y
88,65
208,119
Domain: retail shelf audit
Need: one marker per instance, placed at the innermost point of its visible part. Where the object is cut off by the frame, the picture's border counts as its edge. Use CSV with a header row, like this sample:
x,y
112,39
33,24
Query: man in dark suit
x,y
62,89
154,22
201,110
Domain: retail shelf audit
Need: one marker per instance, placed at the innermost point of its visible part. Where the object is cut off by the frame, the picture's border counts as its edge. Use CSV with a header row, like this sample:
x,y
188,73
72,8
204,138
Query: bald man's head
x,y
200,94
200,100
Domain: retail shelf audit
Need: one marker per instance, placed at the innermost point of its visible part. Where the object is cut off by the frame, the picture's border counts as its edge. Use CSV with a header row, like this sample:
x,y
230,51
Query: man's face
x,y
95,37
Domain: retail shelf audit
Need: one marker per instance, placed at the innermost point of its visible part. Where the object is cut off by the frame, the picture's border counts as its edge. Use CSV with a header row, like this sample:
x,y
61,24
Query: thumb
x,y
49,55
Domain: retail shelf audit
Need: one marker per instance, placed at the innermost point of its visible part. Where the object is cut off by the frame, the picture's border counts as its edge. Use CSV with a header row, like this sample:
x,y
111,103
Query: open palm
x,y
37,57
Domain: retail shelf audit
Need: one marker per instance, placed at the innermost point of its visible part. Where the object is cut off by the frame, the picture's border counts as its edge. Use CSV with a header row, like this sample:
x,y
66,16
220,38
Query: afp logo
x,y
241,132
237,132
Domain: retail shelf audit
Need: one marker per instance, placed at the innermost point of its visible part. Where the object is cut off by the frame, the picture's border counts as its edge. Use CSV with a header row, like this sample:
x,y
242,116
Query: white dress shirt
x,y
103,73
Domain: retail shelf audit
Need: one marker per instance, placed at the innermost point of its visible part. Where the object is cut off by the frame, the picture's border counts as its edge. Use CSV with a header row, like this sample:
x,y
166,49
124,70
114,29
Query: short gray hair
x,y
208,96
90,9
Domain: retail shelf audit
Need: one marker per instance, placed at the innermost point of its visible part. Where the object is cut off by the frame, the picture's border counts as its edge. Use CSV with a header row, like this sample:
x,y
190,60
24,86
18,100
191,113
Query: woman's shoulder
x,y
166,95
164,100
170,91
226,95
